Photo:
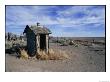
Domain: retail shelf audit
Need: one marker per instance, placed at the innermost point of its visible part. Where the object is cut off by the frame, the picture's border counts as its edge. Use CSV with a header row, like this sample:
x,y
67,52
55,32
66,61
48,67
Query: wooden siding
x,y
31,43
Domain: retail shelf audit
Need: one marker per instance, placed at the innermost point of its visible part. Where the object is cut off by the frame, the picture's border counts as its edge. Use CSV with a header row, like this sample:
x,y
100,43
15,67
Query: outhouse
x,y
37,39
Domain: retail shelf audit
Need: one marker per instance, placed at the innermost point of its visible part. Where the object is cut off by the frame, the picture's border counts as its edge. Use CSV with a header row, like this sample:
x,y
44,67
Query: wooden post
x,y
47,43
38,43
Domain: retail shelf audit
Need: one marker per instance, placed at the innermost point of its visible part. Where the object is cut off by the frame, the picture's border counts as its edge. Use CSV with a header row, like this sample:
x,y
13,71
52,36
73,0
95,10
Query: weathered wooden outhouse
x,y
37,39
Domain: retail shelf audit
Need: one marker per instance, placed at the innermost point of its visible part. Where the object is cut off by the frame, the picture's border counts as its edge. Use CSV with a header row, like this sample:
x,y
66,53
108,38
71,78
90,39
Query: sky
x,y
63,21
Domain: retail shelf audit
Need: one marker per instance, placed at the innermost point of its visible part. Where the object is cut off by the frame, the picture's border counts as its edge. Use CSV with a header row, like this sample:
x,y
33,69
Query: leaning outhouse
x,y
37,39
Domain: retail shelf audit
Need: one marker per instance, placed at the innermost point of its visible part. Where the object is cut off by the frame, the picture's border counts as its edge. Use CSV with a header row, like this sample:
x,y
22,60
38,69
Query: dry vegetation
x,y
42,55
24,54
52,55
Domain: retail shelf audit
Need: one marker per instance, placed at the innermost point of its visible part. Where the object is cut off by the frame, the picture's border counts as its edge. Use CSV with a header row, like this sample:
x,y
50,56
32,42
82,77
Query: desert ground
x,y
82,58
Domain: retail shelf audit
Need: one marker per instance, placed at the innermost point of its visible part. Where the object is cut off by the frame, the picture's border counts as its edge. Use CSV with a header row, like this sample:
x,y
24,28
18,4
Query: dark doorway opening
x,y
42,41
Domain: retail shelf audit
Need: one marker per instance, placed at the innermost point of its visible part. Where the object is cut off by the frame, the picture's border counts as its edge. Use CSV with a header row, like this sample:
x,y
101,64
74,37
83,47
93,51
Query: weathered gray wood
x,y
47,44
37,43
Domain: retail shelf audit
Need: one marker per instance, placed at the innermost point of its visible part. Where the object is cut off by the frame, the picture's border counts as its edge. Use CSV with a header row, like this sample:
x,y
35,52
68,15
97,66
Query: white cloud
x,y
92,16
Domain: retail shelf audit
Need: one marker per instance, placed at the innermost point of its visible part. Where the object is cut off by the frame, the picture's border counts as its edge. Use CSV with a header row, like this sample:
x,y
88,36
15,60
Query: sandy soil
x,y
82,59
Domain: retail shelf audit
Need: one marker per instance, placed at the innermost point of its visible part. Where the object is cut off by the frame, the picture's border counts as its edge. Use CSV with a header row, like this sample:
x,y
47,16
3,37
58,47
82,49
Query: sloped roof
x,y
40,30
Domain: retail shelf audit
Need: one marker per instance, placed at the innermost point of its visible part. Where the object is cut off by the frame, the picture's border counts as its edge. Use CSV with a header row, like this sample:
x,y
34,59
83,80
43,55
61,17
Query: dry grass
x,y
52,55
24,54
42,55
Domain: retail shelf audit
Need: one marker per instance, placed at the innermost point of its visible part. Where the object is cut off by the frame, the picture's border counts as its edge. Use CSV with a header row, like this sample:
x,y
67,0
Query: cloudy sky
x,y
67,21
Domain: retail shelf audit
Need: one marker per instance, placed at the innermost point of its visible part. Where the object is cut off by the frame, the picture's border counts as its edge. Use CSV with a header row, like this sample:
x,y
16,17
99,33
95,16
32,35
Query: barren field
x,y
82,58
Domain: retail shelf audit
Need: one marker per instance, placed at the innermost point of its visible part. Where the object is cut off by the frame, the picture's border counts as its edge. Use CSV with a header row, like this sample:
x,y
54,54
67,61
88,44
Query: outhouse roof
x,y
40,29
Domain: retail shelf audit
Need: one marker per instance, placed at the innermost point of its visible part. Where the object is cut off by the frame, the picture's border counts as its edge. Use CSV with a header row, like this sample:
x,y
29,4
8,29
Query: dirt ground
x,y
82,59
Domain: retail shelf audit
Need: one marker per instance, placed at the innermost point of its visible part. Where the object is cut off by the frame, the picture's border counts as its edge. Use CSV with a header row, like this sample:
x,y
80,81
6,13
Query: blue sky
x,y
63,21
